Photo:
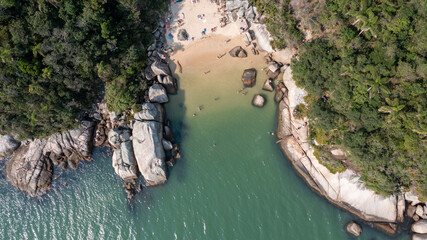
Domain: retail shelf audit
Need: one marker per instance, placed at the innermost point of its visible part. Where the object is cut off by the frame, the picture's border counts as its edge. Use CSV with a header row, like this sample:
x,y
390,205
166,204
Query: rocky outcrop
x,y
157,94
249,77
268,85
343,189
30,169
150,112
7,146
353,228
148,147
258,101
238,51
124,162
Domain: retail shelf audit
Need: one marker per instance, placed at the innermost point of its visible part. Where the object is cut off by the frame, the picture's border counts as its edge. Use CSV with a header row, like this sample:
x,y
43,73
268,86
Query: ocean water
x,y
233,182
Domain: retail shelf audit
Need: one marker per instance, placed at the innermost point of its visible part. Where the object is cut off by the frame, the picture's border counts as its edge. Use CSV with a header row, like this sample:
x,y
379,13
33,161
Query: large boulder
x,y
353,228
149,152
249,77
230,5
258,101
169,83
7,146
160,68
268,85
30,169
150,112
157,94
124,162
420,227
238,51
182,35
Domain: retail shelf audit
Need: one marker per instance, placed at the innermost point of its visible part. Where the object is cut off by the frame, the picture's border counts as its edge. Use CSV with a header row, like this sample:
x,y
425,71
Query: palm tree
x,y
393,108
377,84
366,19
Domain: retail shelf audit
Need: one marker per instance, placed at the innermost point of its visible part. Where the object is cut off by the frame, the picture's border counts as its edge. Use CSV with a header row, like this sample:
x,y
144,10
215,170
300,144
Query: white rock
x,y
419,236
420,210
420,227
258,101
149,152
353,228
7,146
150,112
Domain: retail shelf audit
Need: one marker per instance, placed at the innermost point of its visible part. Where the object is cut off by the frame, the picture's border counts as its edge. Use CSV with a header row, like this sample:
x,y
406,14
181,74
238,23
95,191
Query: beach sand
x,y
209,18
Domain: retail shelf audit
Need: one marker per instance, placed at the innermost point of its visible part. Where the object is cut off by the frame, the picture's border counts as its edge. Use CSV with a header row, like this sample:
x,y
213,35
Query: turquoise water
x,y
242,188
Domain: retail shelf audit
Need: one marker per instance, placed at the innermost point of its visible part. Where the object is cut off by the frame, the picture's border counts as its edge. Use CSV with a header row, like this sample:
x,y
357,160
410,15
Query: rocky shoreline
x,y
342,189
139,139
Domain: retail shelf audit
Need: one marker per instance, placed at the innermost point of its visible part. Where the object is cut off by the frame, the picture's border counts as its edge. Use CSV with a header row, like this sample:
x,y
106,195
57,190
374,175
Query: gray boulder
x,y
249,77
30,169
160,68
241,12
149,152
238,51
157,94
167,145
268,85
230,5
258,101
150,112
273,75
7,146
182,35
148,73
353,228
420,226
250,14
169,83
123,161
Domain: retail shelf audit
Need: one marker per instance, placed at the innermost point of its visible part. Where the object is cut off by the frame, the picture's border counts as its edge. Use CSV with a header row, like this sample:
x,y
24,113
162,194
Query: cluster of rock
x,y
31,166
417,212
7,146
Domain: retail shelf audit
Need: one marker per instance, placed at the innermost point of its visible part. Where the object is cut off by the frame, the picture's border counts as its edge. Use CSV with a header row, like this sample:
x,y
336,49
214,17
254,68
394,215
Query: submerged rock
x,y
7,146
157,94
249,77
258,101
353,228
418,236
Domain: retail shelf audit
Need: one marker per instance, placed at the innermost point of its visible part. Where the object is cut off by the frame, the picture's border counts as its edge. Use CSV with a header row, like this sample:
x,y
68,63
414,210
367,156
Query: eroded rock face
x,y
124,162
149,152
353,228
249,77
157,94
420,227
30,169
7,146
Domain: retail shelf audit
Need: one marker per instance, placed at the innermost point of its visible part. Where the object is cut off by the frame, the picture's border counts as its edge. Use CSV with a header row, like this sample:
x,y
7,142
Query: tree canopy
x,y
57,57
369,56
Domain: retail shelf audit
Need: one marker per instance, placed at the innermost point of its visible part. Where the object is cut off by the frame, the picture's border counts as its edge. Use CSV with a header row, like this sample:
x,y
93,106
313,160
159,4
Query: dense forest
x,y
369,58
59,57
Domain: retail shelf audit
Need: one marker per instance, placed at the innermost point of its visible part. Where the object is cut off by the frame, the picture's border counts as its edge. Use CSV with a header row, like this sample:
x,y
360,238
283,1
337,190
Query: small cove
x,y
233,181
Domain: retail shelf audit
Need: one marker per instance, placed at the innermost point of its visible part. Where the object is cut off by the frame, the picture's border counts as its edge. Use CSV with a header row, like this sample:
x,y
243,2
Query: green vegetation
x,y
56,58
300,111
371,61
280,22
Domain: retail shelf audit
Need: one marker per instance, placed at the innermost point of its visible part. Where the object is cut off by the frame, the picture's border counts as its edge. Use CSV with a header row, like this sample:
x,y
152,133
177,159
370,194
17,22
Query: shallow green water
x,y
242,188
